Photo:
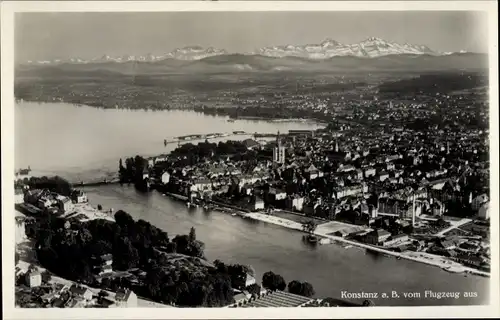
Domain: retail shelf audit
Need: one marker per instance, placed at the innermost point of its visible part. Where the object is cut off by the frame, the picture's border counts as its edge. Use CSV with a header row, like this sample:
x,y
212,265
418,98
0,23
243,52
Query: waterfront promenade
x,y
421,257
325,233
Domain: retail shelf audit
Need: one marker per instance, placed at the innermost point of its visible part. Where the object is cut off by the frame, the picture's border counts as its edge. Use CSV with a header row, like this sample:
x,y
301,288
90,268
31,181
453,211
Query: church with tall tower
x,y
279,151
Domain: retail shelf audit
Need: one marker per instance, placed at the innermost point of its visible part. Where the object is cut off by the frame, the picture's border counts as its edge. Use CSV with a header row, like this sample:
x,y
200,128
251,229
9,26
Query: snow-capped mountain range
x,y
370,48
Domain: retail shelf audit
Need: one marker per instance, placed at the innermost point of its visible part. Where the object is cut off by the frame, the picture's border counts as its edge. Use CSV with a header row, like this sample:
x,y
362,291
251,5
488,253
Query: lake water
x,y
88,142
82,141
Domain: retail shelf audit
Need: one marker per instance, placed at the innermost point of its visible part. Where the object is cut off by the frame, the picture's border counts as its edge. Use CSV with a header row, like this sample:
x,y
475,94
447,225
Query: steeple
x,y
413,213
279,151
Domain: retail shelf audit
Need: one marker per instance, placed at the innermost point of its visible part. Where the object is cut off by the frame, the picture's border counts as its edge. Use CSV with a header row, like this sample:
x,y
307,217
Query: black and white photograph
x,y
230,159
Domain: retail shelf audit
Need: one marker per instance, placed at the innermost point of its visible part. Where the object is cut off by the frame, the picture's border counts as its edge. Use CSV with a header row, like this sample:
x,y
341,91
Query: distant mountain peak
x,y
195,47
329,42
371,39
371,47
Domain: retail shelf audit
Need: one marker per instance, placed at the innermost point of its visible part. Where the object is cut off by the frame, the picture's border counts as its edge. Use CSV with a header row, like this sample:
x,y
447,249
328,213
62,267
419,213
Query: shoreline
x,y
422,257
228,116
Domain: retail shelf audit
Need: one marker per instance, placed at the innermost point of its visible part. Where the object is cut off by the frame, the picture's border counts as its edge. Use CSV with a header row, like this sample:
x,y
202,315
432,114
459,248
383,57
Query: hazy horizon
x,y
48,36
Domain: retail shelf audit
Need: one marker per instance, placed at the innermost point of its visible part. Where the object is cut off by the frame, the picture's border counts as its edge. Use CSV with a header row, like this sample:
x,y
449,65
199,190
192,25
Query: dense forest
x,y
68,250
187,154
176,269
54,184
134,171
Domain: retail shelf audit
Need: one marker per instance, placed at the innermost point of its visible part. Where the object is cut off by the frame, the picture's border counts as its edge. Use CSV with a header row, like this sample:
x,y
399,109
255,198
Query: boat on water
x,y
233,214
348,246
230,120
312,239
455,269
325,241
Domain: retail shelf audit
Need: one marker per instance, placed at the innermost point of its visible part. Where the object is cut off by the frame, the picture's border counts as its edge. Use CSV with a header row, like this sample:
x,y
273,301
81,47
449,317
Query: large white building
x,y
126,298
484,211
33,279
478,201
20,229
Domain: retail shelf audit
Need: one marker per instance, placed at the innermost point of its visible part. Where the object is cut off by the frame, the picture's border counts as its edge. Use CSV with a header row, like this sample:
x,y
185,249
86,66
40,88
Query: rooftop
x,y
277,299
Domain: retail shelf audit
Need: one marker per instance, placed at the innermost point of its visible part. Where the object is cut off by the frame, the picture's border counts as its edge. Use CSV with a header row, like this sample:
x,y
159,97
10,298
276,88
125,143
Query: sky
x,y
47,36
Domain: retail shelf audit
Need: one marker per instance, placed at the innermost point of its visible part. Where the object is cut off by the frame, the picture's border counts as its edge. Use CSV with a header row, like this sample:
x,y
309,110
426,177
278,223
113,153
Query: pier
x,y
95,183
208,136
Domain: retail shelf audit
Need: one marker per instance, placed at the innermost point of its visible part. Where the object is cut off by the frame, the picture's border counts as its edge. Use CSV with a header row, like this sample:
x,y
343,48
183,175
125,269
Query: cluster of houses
x,y
52,202
322,174
62,295
272,299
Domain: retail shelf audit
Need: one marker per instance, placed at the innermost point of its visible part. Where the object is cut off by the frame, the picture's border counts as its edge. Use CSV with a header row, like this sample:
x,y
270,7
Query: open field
x,y
334,226
299,218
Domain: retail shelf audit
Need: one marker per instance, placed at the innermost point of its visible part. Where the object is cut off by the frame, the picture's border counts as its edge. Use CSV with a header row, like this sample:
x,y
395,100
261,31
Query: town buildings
x,y
103,264
33,278
484,211
20,228
377,237
126,298
273,300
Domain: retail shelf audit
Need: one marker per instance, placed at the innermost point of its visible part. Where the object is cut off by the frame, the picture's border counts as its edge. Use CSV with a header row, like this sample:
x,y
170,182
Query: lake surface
x,y
84,142
266,247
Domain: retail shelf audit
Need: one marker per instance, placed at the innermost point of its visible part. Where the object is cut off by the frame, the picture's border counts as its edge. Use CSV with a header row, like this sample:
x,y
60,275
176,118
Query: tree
x,y
46,276
273,281
101,247
301,288
307,290
84,236
182,243
172,247
121,168
254,289
99,207
309,226
441,223
295,287
123,219
192,235
125,256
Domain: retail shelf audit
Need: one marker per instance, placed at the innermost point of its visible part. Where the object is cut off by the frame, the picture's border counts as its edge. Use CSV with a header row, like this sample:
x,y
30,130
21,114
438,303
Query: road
x,y
454,224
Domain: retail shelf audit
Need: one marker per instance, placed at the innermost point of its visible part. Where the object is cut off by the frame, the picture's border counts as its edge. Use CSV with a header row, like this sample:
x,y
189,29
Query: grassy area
x,y
476,229
296,217
457,232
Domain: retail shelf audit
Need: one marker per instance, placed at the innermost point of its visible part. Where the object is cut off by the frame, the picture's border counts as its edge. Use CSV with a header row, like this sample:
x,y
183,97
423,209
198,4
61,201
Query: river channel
x,y
77,142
